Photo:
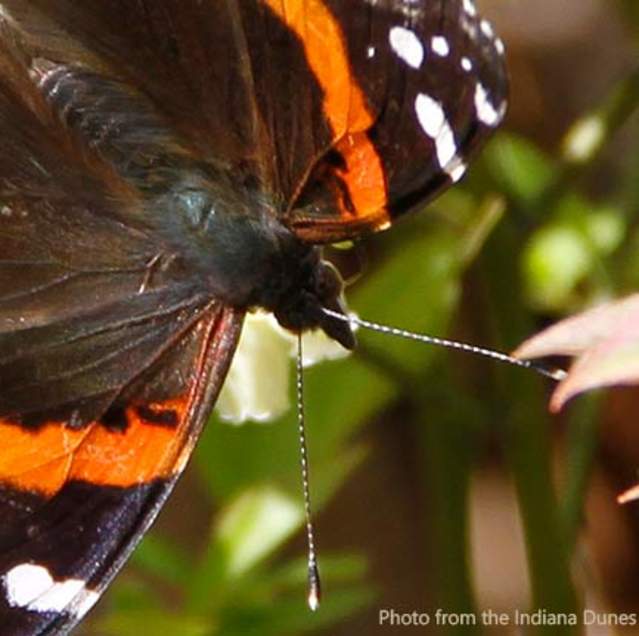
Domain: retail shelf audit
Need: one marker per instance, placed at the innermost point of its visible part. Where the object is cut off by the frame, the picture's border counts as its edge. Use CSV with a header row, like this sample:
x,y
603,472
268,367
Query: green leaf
x,y
519,167
554,262
290,616
163,559
252,526
134,623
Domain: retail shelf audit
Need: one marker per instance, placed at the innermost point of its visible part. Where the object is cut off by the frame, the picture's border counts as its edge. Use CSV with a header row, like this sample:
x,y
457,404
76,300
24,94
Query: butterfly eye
x,y
329,283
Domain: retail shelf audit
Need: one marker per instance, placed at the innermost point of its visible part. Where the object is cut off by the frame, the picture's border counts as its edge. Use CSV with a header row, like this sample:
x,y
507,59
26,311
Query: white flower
x,y
257,385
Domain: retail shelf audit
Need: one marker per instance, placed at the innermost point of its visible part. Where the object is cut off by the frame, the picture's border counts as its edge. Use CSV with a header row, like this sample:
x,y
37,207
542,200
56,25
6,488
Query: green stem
x,y
588,137
448,455
526,436
528,452
581,446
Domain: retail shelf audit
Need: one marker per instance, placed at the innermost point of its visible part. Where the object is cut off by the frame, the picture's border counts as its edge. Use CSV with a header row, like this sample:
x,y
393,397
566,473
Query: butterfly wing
x,y
411,90
110,355
346,114
75,502
213,71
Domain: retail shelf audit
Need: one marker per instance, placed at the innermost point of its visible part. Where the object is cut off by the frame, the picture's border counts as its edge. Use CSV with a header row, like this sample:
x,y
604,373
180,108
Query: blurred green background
x,y
440,481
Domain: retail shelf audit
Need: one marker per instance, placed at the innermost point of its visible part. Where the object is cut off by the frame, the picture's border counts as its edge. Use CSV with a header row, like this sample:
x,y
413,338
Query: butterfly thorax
x,y
247,258
256,262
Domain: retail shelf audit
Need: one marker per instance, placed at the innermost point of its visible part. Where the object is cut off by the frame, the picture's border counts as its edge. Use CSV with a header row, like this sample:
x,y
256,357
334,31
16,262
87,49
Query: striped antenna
x,y
552,373
314,586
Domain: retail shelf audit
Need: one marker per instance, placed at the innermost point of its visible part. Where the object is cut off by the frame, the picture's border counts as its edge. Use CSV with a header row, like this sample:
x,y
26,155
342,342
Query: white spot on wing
x,y
439,44
432,119
32,587
499,46
430,115
486,111
469,8
25,583
456,169
466,64
487,29
370,52
407,46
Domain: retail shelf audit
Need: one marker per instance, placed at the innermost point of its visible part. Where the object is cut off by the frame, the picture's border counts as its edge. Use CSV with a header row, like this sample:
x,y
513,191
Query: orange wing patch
x,y
344,107
149,446
132,446
37,460
144,451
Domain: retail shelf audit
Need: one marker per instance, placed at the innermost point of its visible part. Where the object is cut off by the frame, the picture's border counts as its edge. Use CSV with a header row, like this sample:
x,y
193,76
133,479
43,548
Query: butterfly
x,y
165,167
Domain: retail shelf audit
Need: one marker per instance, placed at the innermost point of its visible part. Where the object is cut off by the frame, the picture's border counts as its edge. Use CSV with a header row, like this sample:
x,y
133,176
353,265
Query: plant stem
x,y
581,445
448,451
526,438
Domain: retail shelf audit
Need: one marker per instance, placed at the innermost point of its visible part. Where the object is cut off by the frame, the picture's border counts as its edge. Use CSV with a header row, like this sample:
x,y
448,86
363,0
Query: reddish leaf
x,y
605,342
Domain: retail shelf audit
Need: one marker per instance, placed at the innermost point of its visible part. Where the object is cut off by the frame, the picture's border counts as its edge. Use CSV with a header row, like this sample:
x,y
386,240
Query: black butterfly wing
x,y
110,355
83,289
346,114
429,82
81,499
229,76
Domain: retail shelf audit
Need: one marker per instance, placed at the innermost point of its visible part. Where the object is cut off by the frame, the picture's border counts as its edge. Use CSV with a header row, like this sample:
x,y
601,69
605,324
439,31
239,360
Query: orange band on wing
x,y
45,480
37,460
142,452
41,460
344,105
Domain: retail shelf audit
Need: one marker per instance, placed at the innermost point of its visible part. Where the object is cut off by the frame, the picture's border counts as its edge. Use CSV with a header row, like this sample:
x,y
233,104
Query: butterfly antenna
x,y
553,373
314,587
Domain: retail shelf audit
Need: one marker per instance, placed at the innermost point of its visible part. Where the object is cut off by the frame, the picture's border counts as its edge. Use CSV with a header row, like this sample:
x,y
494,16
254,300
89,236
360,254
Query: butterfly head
x,y
322,289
